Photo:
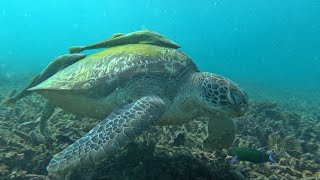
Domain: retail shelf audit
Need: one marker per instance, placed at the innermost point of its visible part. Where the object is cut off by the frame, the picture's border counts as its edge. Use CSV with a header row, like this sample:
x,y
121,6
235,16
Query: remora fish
x,y
138,37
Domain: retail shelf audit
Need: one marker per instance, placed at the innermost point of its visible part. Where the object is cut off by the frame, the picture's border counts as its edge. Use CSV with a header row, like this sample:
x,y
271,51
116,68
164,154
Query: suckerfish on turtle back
x,y
57,64
137,37
133,87
61,62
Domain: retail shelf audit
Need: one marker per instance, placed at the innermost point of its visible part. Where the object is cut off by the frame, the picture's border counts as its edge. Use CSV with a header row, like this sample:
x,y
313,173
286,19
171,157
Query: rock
x,y
273,166
179,140
276,115
4,170
285,170
309,147
283,162
308,178
273,177
307,173
309,156
10,155
317,174
164,176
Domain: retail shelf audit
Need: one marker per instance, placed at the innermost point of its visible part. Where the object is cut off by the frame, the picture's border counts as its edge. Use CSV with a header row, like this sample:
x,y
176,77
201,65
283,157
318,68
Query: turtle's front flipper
x,y
118,129
45,115
221,133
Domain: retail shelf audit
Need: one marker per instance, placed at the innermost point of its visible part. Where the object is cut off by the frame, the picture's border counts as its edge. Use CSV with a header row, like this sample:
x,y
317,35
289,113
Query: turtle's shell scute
x,y
119,65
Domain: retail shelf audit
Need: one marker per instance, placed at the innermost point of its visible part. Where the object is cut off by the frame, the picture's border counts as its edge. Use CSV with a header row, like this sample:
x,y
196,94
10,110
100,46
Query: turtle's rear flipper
x,y
110,135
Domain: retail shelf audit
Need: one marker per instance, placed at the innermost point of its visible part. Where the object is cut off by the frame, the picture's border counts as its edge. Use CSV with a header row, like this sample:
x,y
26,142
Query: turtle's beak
x,y
238,102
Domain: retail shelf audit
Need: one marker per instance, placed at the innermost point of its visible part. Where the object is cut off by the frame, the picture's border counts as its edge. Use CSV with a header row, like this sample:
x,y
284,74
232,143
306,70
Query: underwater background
x,y
272,42
269,47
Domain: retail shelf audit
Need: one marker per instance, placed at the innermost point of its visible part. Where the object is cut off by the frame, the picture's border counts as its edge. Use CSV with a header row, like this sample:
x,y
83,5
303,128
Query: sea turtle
x,y
61,62
57,64
133,87
138,37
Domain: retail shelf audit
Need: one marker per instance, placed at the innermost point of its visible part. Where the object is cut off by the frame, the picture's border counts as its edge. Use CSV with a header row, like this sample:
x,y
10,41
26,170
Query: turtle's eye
x,y
237,97
233,98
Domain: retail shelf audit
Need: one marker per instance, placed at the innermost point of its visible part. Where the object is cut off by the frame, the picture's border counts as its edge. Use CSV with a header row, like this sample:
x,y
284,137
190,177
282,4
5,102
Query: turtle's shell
x,y
107,69
86,87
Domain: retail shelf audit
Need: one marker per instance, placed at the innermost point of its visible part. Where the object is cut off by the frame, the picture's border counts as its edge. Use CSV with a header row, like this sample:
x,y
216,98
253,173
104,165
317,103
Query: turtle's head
x,y
218,94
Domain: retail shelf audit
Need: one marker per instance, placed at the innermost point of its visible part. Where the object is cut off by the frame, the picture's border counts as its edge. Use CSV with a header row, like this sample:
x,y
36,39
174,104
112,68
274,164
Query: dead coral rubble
x,y
170,152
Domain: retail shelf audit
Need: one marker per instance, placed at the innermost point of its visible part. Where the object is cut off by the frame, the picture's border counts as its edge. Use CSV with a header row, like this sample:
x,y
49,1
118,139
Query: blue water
x,y
272,42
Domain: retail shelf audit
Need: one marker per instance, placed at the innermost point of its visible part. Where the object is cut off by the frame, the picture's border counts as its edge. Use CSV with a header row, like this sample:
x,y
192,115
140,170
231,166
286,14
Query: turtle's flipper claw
x,y
110,135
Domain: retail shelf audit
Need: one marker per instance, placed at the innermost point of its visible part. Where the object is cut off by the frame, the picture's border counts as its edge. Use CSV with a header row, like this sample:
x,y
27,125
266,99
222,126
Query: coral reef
x,y
146,160
169,152
291,135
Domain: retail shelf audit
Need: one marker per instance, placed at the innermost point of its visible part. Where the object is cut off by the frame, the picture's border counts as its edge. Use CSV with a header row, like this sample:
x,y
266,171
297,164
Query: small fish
x,y
250,155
